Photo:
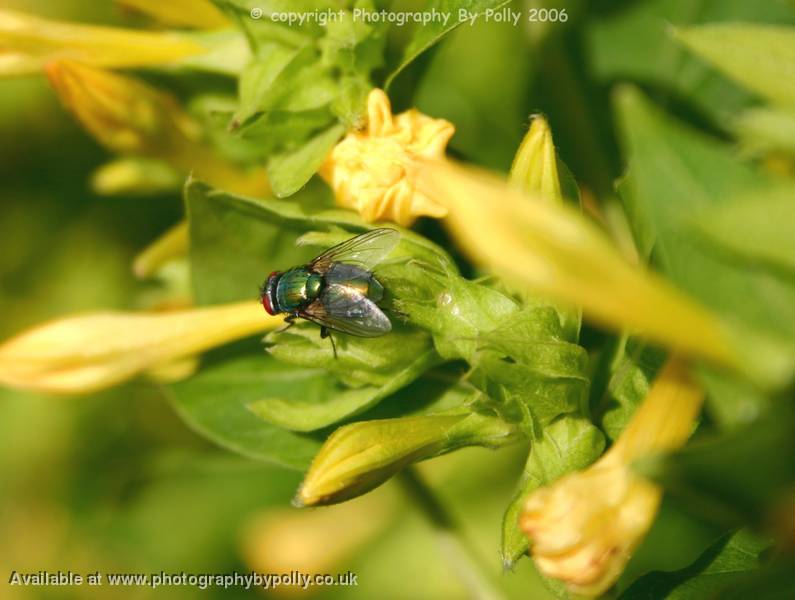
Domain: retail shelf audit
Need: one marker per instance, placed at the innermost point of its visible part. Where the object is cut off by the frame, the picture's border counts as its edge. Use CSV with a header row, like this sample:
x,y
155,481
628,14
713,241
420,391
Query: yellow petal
x,y
90,352
665,419
31,42
556,251
175,370
585,527
368,169
199,14
535,166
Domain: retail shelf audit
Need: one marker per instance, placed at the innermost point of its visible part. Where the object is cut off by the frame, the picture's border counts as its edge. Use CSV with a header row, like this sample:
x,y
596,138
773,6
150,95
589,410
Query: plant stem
x,y
475,573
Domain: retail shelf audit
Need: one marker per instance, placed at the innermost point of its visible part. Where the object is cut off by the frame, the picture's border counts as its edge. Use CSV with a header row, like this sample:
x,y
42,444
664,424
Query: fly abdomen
x,y
356,278
375,291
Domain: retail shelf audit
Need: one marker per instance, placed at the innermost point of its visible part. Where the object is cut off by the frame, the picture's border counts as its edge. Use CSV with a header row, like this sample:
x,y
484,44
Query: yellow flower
x,y
85,353
368,169
200,14
27,43
584,528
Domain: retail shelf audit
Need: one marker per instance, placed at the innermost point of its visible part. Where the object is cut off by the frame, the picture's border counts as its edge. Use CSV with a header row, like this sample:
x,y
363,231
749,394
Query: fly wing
x,y
346,309
365,250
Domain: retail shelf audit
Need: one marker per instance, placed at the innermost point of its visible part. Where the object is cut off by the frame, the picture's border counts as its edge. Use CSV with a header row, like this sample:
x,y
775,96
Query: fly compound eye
x,y
266,302
267,292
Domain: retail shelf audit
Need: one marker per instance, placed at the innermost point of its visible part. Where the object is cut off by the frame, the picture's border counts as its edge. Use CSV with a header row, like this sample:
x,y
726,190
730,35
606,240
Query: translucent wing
x,y
346,309
365,250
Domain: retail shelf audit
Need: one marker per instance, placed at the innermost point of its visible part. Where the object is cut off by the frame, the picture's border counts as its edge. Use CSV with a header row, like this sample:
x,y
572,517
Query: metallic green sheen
x,y
296,288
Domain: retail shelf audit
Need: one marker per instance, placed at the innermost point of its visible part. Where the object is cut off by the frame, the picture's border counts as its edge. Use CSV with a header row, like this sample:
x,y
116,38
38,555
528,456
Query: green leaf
x,y
350,104
677,539
310,89
289,172
756,228
359,361
331,72
637,43
775,580
566,445
258,82
353,44
214,403
236,241
265,29
329,404
378,366
529,372
519,355
425,36
455,310
716,570
759,57
674,172
437,391
478,80
269,132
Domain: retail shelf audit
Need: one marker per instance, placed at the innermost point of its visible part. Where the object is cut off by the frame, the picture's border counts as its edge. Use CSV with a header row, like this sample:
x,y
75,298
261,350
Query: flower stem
x,y
474,572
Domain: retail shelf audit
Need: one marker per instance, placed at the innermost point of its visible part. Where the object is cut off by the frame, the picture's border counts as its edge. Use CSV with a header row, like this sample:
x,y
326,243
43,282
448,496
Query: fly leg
x,y
290,321
325,333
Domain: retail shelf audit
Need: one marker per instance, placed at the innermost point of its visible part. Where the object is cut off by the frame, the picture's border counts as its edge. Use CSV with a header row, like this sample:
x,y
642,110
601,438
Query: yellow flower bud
x,y
27,43
85,353
535,166
368,170
200,14
126,115
135,176
361,456
584,528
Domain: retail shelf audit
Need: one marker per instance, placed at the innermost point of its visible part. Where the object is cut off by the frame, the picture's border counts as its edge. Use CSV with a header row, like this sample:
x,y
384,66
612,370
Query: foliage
x,y
695,105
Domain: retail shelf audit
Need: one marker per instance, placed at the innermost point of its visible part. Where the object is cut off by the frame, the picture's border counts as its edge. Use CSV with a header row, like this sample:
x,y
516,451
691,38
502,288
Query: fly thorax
x,y
294,288
314,284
